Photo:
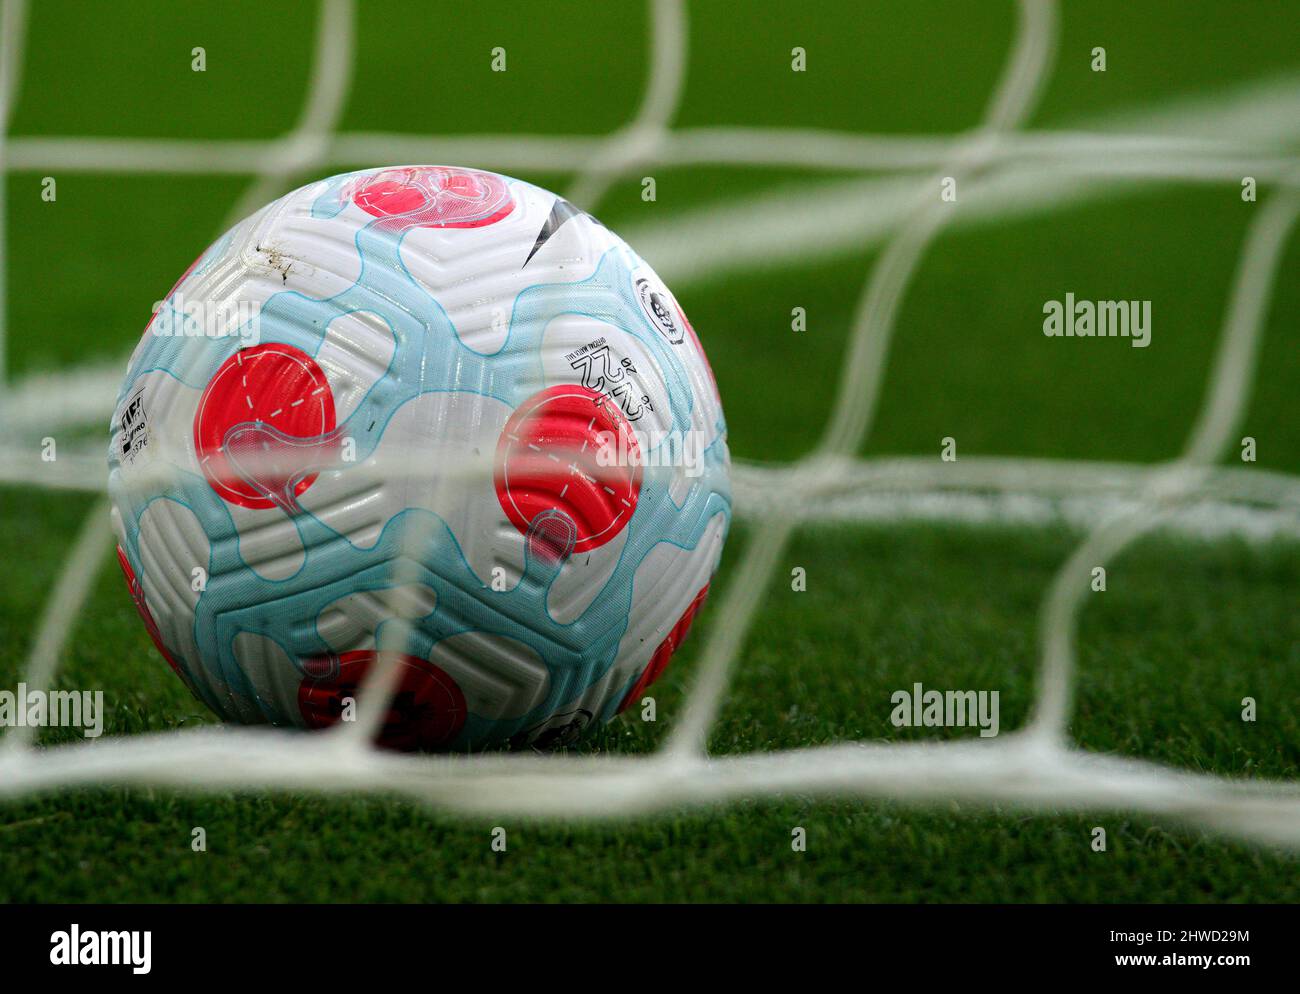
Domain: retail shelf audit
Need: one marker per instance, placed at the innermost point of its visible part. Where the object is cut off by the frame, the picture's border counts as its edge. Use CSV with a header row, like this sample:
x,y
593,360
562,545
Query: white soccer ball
x,y
427,410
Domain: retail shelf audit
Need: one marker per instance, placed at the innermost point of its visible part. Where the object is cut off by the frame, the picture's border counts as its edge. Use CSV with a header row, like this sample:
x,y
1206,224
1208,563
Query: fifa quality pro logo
x,y
135,428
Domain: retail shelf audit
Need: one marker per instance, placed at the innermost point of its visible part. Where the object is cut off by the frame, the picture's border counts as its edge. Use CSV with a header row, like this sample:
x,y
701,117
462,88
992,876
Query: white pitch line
x,y
1244,502
810,149
806,222
219,157
785,488
820,149
720,146
1201,520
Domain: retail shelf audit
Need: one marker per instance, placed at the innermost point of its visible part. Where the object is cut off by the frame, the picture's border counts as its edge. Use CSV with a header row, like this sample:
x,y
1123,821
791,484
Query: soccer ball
x,y
431,411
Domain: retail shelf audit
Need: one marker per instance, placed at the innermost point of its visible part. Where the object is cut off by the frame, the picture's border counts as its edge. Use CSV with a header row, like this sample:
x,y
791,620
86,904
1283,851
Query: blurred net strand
x,y
863,370
13,30
700,244
1262,153
326,95
301,149
327,89
1029,769
622,149
1227,393
642,139
1228,500
63,606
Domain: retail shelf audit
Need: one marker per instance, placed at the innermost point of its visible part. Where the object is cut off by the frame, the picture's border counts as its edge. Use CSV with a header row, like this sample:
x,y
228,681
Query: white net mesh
x,y
1004,173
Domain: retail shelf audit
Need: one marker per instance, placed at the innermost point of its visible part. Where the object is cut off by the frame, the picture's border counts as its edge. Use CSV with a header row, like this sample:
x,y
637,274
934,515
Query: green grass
x,y
300,849
943,606
1183,633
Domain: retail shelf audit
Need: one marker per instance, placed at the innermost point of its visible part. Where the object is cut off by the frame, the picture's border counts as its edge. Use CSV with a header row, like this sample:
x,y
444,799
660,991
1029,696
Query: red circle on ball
x,y
435,196
150,625
547,462
654,669
279,386
426,712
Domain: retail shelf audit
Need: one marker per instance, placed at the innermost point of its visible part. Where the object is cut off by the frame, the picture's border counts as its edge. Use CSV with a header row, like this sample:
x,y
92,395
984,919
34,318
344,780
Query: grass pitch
x,y
1185,630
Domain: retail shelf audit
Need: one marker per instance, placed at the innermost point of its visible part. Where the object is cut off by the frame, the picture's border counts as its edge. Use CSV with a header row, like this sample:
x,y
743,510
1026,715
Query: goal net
x,y
1003,169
